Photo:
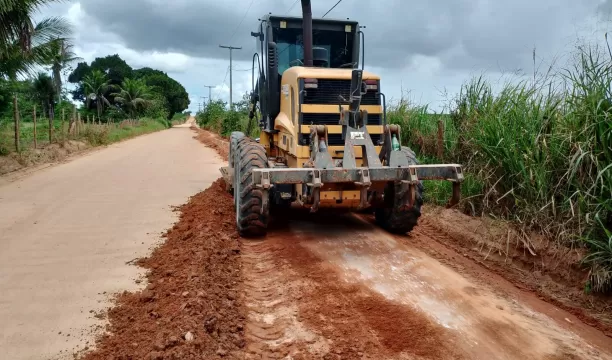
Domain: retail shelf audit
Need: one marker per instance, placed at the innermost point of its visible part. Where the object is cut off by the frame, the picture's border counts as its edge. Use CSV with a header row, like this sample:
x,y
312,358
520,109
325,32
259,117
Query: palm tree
x,y
133,95
61,56
43,90
23,45
96,85
16,24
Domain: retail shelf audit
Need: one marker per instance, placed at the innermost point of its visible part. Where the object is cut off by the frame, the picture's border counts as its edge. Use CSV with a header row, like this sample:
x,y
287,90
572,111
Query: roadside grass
x,y
142,126
537,153
90,134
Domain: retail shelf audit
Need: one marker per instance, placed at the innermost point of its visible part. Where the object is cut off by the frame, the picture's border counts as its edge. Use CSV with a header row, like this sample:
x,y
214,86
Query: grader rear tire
x,y
390,217
250,220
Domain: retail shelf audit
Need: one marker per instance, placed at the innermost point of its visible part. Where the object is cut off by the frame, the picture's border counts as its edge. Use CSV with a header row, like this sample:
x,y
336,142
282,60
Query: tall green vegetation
x,y
539,154
217,117
61,56
133,96
96,85
165,96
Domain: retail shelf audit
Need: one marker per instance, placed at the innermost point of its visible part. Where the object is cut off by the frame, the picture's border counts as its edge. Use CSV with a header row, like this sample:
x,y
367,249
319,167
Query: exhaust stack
x,y
307,32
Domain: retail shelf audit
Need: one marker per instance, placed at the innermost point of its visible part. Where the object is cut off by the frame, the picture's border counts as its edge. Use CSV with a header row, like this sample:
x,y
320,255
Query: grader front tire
x,y
390,217
250,220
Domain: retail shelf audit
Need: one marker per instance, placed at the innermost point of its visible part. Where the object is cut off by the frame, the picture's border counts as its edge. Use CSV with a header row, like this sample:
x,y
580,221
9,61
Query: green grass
x,y
93,134
538,154
217,118
145,126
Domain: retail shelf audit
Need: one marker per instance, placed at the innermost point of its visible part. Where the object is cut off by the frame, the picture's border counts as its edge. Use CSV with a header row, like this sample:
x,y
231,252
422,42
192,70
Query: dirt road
x,y
68,233
329,287
322,286
386,298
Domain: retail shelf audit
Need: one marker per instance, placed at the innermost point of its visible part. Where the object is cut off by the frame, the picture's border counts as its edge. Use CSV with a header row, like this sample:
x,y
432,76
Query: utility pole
x,y
209,94
230,49
203,102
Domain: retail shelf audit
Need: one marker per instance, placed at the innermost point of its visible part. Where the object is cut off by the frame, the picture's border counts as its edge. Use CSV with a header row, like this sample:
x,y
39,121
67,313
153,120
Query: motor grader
x,y
324,139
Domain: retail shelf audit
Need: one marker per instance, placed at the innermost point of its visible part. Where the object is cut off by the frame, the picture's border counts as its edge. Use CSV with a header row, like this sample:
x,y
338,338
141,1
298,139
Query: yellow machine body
x,y
286,142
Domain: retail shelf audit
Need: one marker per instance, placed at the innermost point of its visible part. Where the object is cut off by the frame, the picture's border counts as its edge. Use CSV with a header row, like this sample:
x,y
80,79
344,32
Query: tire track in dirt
x,y
300,308
273,329
554,274
471,262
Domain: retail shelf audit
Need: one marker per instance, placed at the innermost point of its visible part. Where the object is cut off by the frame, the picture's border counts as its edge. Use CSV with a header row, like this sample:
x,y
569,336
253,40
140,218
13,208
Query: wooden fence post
x,y
16,117
79,125
63,129
51,127
34,122
74,118
440,139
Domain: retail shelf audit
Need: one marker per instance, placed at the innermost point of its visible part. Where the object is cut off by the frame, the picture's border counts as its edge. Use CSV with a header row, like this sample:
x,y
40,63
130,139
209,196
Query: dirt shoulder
x,y
212,140
529,262
534,264
191,308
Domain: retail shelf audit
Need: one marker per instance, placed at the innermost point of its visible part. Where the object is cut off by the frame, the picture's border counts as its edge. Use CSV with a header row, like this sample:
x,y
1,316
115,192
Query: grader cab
x,y
324,140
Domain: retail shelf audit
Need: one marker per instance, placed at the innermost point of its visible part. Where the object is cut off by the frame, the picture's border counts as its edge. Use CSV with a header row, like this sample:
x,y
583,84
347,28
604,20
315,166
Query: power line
x,y
225,78
231,38
292,6
240,23
209,94
332,8
231,49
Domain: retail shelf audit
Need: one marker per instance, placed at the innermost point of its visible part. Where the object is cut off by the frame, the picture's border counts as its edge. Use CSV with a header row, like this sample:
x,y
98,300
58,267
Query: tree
x,y
61,56
24,45
17,26
14,61
115,68
43,91
167,96
96,86
133,96
175,94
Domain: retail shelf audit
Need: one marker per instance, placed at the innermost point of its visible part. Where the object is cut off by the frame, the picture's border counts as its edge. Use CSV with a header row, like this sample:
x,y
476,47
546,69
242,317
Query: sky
x,y
423,50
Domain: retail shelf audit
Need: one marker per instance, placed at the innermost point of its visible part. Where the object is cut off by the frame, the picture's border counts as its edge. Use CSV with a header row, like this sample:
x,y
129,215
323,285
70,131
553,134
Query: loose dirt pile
x,y
191,308
214,141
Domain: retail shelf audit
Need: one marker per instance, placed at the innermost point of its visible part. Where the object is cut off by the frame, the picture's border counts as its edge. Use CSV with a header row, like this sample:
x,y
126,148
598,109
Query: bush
x,y
231,123
215,117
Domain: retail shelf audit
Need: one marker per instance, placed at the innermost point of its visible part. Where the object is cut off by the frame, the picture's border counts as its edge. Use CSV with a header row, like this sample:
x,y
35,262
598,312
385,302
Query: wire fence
x,y
32,127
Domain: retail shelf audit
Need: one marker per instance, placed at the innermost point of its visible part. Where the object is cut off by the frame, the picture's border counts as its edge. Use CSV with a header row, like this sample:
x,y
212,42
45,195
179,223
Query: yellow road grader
x,y
324,140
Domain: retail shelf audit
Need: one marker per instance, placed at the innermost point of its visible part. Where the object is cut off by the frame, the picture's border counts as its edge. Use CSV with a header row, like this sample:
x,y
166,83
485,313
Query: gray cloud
x,y
426,47
464,33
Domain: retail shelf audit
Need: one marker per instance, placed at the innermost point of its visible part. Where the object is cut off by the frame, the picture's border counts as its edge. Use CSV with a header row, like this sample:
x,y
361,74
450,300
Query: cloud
x,y
427,47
